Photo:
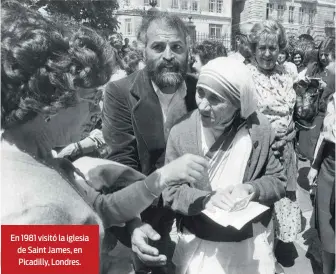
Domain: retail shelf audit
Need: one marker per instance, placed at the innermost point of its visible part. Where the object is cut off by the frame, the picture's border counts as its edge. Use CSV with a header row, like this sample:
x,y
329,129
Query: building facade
x,y
313,17
212,18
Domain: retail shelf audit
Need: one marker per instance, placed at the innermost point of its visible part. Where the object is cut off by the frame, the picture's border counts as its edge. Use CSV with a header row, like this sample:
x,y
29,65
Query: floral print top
x,y
291,69
276,96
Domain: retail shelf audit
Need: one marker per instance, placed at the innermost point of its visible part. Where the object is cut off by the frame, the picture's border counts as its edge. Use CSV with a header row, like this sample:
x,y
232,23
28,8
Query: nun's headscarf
x,y
230,79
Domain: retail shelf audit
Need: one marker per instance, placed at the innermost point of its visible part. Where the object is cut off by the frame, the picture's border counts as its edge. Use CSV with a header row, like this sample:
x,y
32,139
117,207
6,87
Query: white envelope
x,y
236,219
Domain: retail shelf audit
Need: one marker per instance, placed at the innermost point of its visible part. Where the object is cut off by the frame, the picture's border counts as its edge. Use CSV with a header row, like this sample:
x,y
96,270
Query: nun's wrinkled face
x,y
215,110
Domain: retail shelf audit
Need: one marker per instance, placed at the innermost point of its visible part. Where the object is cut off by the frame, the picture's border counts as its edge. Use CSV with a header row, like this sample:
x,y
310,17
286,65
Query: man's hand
x,y
146,253
312,174
188,168
322,84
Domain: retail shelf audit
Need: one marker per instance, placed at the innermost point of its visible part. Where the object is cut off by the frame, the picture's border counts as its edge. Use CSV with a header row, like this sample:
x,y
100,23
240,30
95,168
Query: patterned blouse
x,y
276,96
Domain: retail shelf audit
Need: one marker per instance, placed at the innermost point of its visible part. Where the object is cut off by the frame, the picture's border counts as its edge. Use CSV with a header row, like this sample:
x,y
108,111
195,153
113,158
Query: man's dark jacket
x,y
133,121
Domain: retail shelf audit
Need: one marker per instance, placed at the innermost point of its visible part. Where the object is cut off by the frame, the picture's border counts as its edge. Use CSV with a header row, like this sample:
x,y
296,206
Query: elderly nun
x,y
227,130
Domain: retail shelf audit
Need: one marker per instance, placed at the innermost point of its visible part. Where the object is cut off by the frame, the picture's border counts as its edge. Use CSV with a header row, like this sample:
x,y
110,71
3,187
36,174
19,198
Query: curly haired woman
x,y
206,51
49,83
298,59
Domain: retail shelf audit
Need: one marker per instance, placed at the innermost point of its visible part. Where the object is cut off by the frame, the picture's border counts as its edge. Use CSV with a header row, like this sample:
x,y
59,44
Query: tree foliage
x,y
97,14
294,42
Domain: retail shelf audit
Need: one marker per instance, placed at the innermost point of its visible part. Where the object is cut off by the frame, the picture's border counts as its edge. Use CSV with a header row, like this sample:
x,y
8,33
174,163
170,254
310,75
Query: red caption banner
x,y
52,249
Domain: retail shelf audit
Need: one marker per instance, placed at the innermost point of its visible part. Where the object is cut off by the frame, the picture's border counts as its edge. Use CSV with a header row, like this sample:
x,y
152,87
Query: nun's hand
x,y
221,199
226,198
188,168
241,191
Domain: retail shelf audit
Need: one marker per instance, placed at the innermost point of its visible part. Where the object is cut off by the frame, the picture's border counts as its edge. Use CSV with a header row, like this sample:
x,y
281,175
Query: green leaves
x,y
97,14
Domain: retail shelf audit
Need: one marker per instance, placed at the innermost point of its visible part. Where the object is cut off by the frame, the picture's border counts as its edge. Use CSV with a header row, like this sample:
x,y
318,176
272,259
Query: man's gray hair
x,y
170,20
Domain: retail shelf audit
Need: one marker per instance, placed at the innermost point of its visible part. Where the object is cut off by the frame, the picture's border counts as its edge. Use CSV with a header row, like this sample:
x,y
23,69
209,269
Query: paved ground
x,y
302,257
305,255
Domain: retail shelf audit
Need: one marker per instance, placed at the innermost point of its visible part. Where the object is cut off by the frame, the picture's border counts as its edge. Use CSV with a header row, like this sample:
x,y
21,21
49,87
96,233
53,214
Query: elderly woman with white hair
x,y
236,139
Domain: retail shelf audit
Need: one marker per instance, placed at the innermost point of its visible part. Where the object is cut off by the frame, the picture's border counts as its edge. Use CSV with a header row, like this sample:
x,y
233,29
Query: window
x,y
212,4
146,3
291,15
215,30
219,6
281,11
269,10
184,5
175,4
194,5
128,26
216,6
312,16
301,15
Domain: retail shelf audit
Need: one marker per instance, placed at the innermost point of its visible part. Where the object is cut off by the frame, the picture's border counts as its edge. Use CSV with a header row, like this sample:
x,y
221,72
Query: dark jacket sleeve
x,y
181,198
329,90
318,153
127,203
270,187
117,126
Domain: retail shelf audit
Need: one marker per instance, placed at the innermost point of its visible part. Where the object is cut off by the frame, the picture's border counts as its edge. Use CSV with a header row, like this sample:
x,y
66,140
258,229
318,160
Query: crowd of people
x,y
144,140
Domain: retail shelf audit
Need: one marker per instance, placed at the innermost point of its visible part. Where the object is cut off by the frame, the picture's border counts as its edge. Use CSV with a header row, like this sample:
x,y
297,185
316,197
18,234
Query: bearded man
x,y
139,112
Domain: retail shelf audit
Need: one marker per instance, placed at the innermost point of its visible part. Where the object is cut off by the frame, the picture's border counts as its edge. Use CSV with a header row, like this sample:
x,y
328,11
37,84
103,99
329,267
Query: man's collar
x,y
182,89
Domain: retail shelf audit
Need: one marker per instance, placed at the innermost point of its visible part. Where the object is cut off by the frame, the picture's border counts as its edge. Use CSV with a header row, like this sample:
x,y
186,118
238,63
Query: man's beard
x,y
164,76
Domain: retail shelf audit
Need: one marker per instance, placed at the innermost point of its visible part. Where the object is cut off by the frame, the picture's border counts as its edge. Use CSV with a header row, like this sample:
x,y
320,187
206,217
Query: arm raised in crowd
x,y
119,193
117,126
183,199
125,204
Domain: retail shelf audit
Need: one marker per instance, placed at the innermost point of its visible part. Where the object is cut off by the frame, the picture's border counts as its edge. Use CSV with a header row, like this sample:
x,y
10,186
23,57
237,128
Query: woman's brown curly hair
x,y
209,50
42,66
91,58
